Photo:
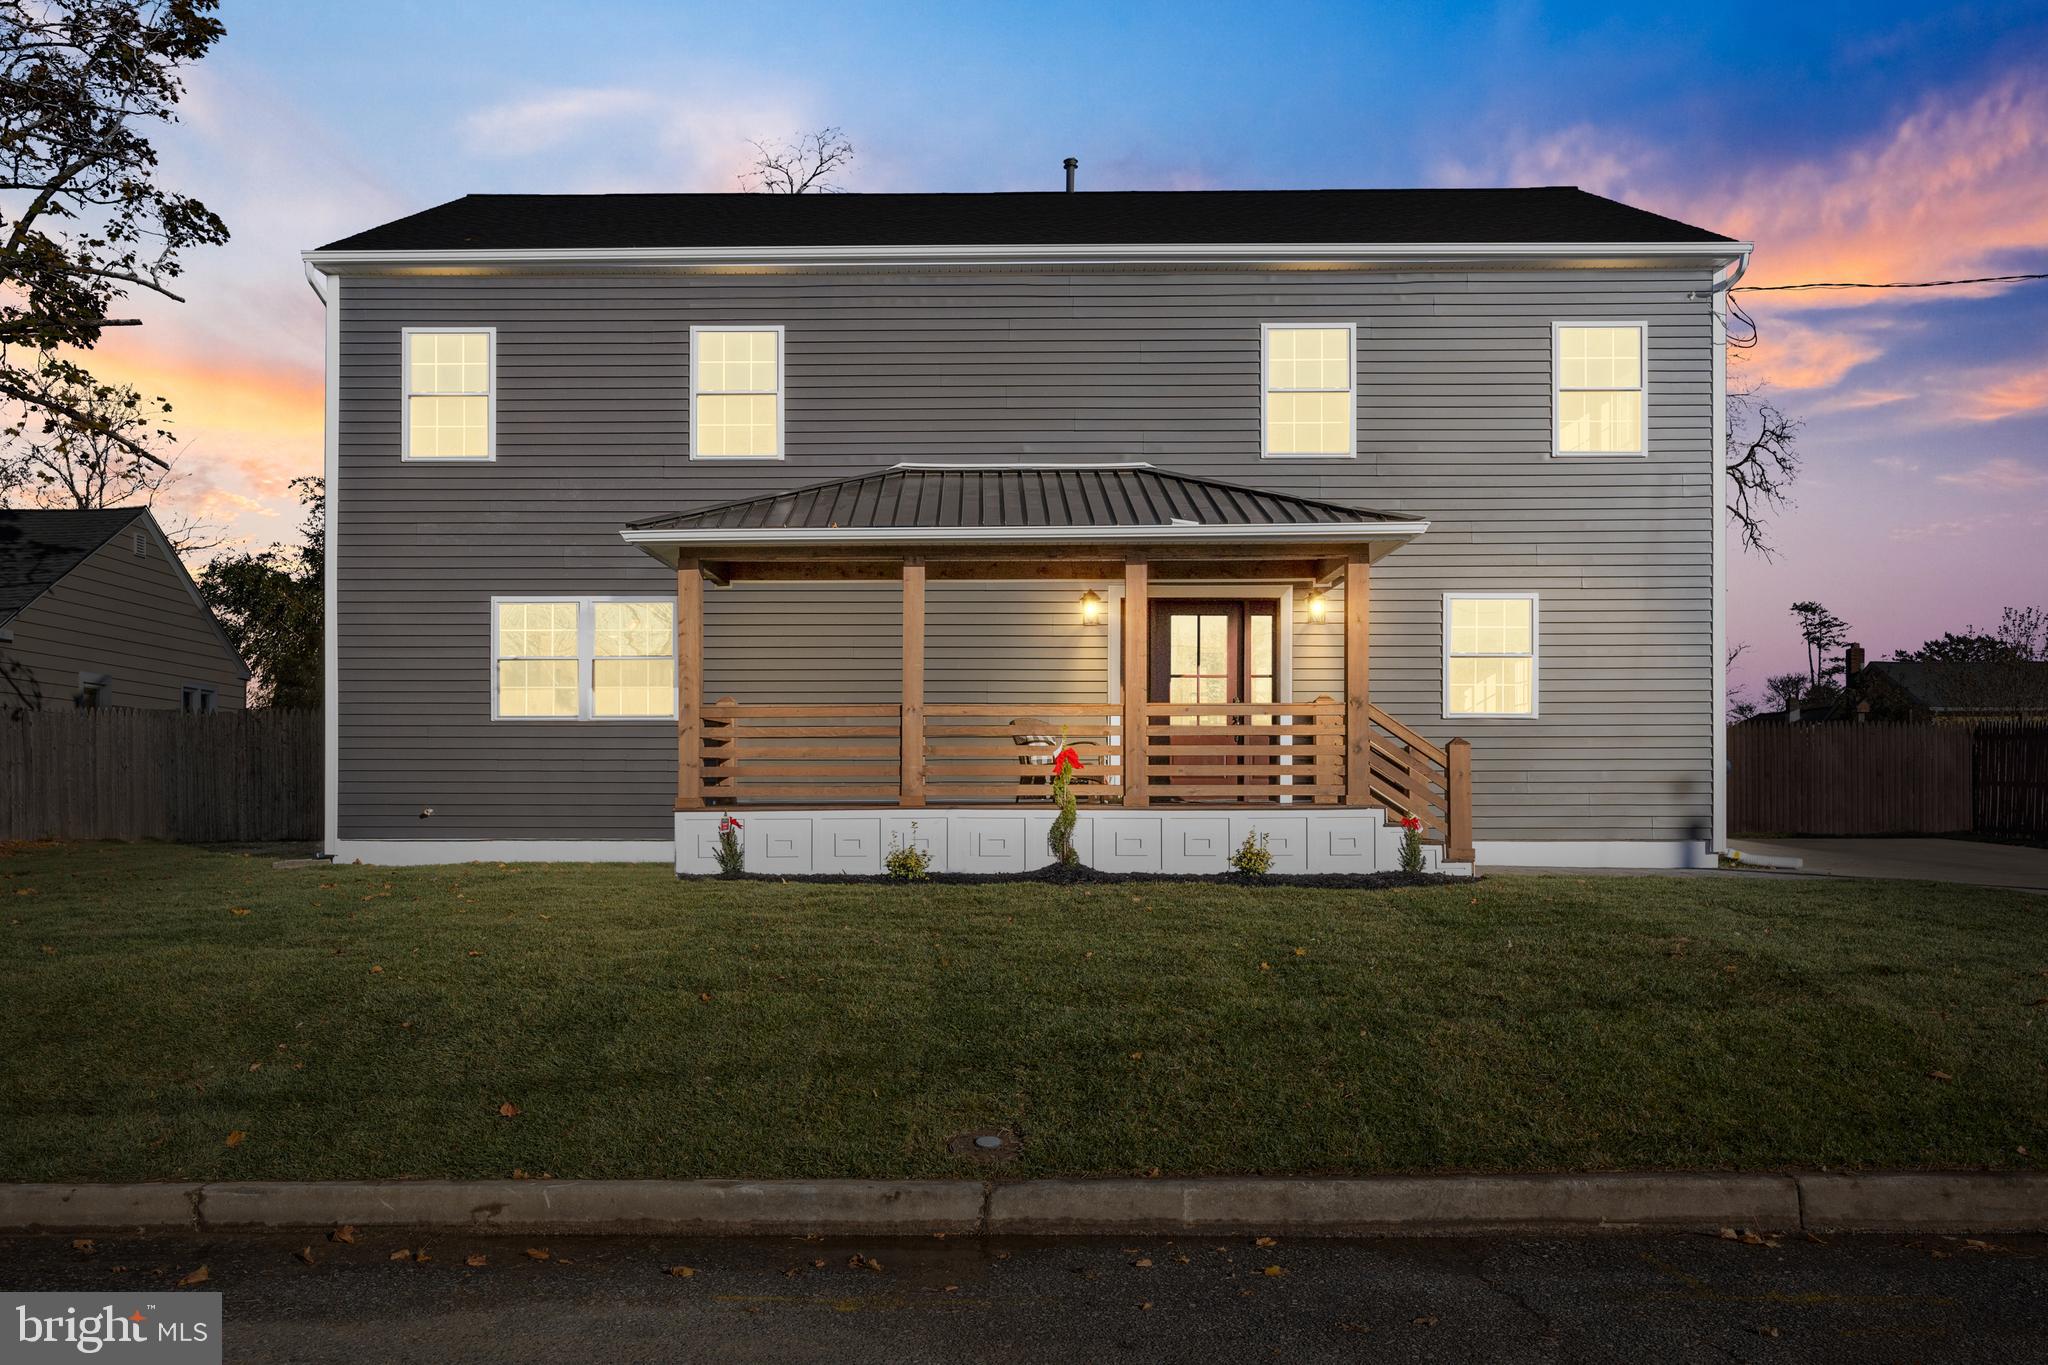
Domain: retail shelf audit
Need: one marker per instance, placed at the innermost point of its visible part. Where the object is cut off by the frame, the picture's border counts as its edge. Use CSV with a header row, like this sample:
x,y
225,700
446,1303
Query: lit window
x,y
538,661
1490,655
584,658
448,395
736,390
1308,390
633,671
1599,399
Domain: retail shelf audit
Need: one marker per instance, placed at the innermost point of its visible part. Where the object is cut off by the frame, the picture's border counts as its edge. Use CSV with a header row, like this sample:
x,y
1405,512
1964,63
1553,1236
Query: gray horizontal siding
x,y
1453,419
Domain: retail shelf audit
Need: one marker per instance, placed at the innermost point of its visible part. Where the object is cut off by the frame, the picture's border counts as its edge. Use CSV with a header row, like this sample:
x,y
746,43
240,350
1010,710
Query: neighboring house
x,y
96,610
1956,693
833,512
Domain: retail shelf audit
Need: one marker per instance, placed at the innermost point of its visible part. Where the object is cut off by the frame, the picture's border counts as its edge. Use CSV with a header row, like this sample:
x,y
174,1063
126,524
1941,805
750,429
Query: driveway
x,y
1924,860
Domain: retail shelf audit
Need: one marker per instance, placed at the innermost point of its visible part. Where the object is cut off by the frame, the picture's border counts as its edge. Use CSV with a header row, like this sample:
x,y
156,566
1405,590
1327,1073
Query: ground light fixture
x,y
1091,607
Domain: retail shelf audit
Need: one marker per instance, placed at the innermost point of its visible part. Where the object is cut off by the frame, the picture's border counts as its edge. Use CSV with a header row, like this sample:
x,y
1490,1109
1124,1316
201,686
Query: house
x,y
97,610
1290,510
1956,693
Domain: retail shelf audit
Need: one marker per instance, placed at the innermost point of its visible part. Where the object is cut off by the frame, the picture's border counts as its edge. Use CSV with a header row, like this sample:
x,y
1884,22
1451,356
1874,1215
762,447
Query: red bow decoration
x,y
1412,822
1064,761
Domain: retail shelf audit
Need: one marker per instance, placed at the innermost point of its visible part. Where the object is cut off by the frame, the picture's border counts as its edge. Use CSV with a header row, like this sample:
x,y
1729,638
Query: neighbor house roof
x,y
1966,687
913,501
38,546
1552,214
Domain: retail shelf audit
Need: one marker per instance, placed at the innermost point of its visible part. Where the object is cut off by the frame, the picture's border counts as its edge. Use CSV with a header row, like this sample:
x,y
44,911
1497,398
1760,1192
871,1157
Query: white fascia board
x,y
1028,535
1011,468
1167,253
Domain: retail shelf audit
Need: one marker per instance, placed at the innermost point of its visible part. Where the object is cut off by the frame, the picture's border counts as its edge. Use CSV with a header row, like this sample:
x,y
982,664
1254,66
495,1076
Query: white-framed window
x,y
736,392
1309,390
95,691
199,700
1599,388
450,393
583,658
1490,654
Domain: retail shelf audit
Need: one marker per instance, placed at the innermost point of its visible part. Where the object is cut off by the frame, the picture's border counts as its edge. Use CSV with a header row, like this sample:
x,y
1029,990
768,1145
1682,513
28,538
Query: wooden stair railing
x,y
1412,777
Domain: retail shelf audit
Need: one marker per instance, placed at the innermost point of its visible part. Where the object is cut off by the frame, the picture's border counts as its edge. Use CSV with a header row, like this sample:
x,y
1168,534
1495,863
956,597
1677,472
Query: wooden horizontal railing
x,y
812,755
1214,753
1235,753
1412,777
1003,752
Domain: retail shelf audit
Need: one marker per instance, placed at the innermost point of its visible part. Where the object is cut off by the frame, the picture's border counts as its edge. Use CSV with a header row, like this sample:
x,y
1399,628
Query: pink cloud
x,y
1860,400
2011,396
2001,475
1791,355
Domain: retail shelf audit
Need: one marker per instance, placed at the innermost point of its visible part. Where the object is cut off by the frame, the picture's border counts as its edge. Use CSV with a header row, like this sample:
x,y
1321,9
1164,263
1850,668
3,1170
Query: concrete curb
x,y
1300,1207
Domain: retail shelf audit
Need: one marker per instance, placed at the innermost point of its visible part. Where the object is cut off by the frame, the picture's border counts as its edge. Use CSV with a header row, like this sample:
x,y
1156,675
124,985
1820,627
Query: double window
x,y
450,411
736,393
1597,369
1490,654
197,699
588,658
1310,389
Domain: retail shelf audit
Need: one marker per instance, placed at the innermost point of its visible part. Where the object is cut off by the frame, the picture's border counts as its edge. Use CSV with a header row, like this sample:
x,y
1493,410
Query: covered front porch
x,y
1203,734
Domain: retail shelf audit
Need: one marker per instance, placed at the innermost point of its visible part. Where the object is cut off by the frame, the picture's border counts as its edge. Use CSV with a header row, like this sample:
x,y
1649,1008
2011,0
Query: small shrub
x,y
732,855
906,861
1411,844
1253,858
1060,839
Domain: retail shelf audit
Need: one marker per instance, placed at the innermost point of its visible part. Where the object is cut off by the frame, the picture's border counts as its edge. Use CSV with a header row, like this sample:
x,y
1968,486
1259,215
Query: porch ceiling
x,y
1024,521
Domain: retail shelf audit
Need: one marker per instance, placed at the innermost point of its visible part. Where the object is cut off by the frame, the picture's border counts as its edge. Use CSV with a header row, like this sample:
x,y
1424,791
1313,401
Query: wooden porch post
x,y
911,785
1458,801
1137,672
1357,680
689,685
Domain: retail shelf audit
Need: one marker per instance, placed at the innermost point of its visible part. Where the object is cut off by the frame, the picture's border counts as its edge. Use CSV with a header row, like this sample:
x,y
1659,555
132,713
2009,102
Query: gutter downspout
x,y
1717,295
328,289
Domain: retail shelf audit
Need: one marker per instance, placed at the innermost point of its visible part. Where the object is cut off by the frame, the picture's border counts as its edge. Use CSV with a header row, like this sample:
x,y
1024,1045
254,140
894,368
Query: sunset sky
x,y
1857,142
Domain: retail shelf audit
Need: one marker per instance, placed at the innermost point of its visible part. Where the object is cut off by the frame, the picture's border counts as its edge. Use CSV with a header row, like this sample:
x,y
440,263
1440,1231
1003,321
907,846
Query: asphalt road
x,y
1673,1298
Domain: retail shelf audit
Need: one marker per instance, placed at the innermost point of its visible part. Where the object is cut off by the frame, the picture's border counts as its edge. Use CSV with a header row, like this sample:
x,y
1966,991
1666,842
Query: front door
x,y
1209,653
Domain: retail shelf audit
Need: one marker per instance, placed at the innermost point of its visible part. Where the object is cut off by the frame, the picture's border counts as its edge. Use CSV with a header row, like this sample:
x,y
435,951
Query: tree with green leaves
x,y
272,604
2021,637
85,221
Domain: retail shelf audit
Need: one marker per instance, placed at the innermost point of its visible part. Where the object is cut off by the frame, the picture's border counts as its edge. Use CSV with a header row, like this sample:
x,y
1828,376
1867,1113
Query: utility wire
x,y
1914,284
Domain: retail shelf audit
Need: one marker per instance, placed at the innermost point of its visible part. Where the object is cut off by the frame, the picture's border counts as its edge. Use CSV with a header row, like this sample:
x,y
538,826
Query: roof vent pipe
x,y
1072,164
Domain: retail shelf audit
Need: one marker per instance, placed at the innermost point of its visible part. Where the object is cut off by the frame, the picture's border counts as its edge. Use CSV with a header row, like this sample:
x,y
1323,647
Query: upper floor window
x,y
1310,393
1490,654
199,700
583,658
1597,369
449,374
735,393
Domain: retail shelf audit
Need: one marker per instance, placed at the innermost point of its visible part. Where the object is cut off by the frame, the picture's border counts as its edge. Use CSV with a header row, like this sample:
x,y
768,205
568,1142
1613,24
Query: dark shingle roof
x,y
2013,686
538,222
38,547
1078,496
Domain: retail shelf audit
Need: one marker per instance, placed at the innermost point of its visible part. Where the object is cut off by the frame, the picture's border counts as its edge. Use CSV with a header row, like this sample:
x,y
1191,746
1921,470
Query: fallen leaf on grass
x,y
682,1272
508,1110
1143,1263
1978,1244
306,1255
84,1246
949,1289
860,1262
238,910
235,1138
1145,1307
1266,1242
476,1260
1939,1076
537,1253
345,1234
375,970
1274,1271
402,1254
1771,1332
1425,1322
199,1276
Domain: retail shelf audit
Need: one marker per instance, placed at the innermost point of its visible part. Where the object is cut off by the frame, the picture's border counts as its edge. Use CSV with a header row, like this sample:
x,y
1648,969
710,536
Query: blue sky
x,y
1857,141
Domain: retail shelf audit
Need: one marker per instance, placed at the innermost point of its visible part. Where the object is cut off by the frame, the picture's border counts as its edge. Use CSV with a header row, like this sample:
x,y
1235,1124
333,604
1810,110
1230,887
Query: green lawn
x,y
364,1022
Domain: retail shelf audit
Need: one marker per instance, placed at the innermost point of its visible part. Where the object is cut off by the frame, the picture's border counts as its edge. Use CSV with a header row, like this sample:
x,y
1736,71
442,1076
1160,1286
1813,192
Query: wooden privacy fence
x,y
231,777
1877,779
2010,772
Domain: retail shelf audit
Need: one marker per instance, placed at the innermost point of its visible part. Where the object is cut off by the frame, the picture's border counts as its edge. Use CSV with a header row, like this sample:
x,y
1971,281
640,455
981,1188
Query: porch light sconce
x,y
1091,608
1318,605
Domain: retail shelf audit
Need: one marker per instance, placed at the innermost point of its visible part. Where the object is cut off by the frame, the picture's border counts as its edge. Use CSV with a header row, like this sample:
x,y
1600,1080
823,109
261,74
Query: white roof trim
x,y
1026,535
1303,253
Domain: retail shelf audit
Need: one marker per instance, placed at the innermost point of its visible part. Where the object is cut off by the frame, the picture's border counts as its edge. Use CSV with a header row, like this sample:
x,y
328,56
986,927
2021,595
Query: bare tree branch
x,y
1762,461
805,166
